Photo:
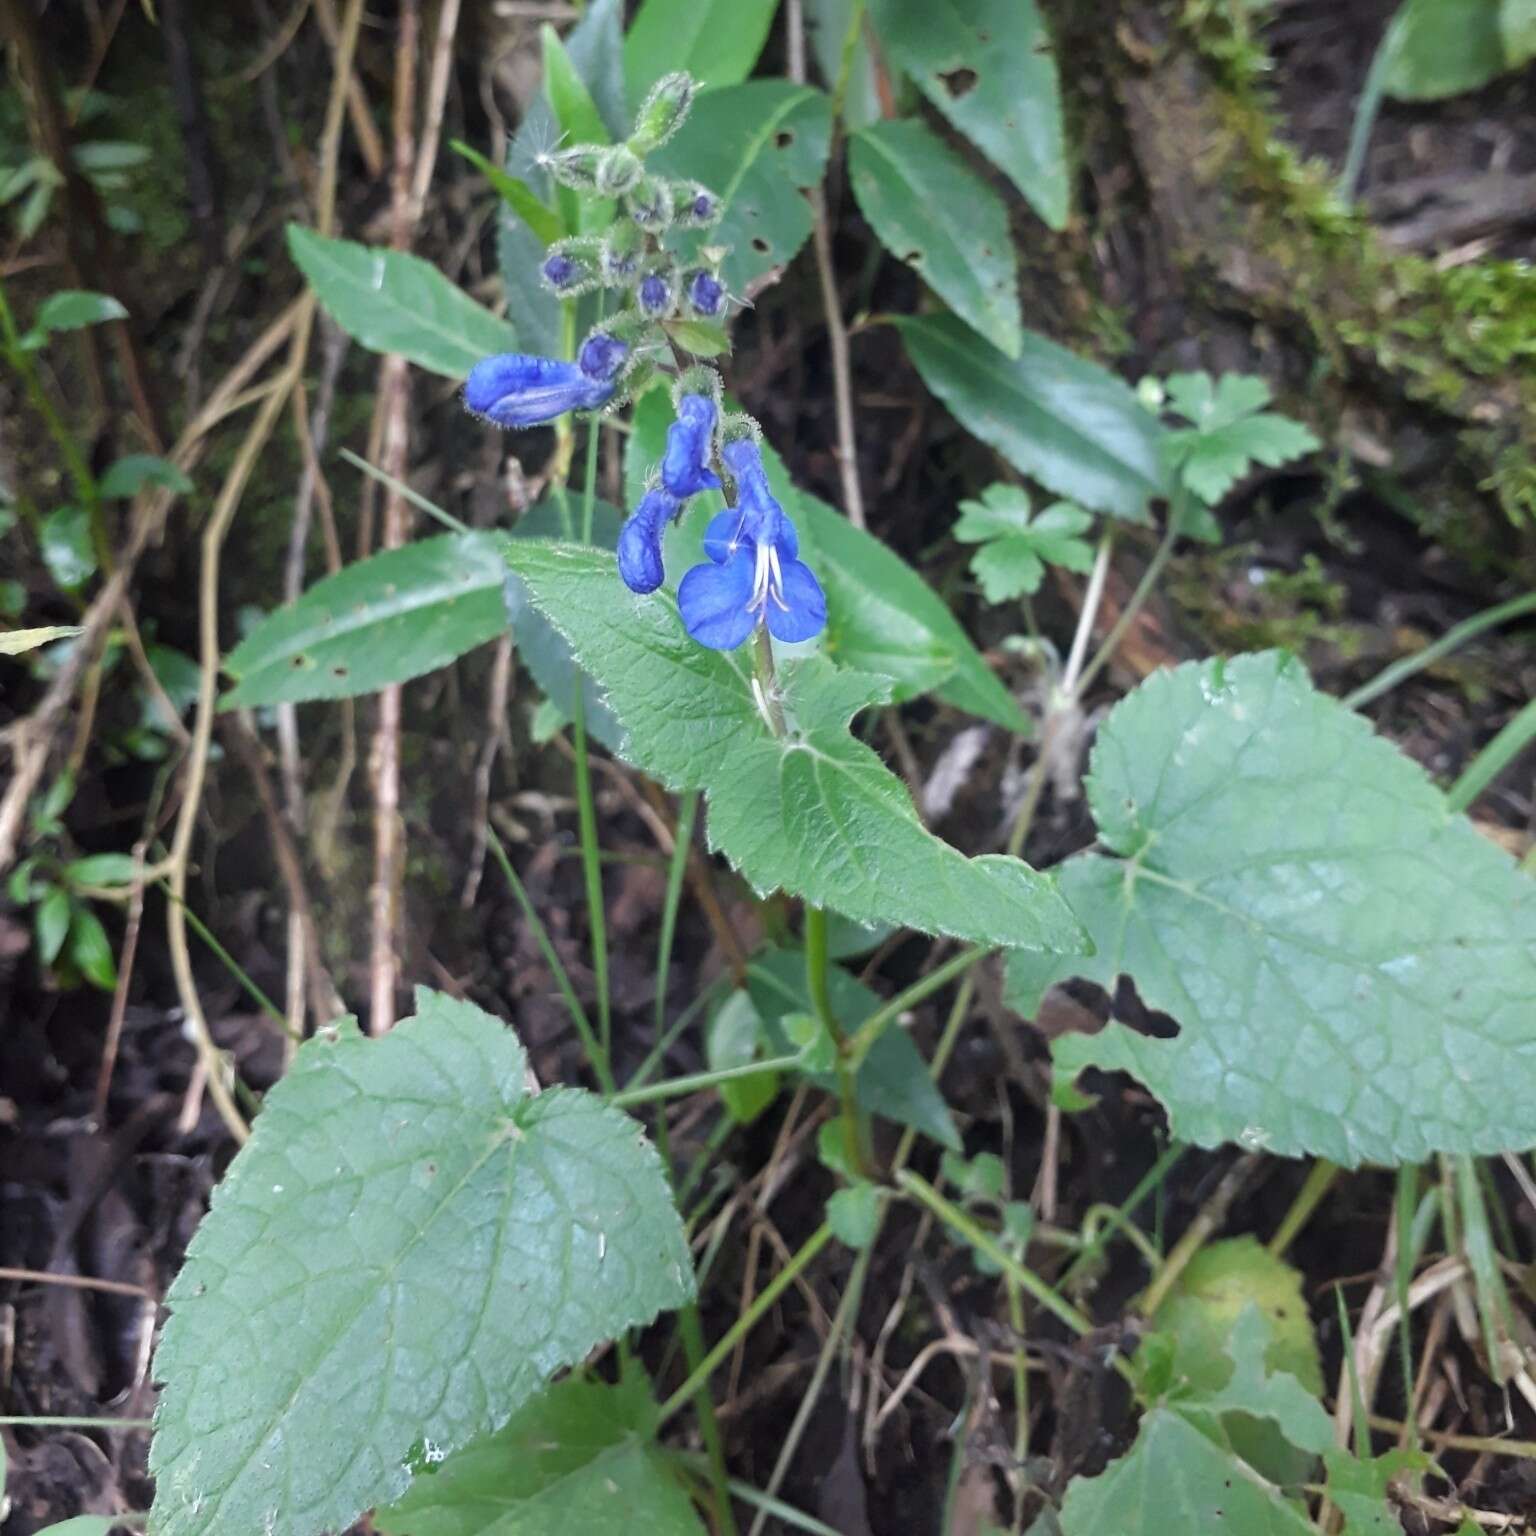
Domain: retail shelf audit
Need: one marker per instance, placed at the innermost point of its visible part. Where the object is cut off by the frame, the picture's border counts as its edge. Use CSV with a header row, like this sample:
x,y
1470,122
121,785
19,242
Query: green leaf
x,y
382,620
817,813
569,99
882,617
759,146
1358,1489
484,1237
580,1457
89,949
1350,963
101,869
90,1525
1254,1388
892,1081
698,337
1183,1449
15,641
73,308
515,193
1230,432
110,155
988,66
934,213
827,24
131,473
716,41
51,921
733,1038
982,1176
540,646
1217,1287
65,543
1200,1487
1439,48
1517,31
1016,547
1058,418
391,301
854,1214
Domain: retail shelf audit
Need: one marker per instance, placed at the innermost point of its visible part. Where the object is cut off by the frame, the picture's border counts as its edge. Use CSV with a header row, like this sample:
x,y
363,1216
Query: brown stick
x,y
395,399
846,450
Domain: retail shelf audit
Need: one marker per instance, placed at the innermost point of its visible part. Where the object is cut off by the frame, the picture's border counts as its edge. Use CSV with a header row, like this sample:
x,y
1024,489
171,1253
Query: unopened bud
x,y
621,255
706,296
694,206
650,204
663,112
572,267
656,294
617,171
575,167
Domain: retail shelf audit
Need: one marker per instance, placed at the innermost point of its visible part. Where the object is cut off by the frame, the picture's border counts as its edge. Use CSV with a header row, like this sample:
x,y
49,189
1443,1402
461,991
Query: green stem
x,y
984,1242
557,969
69,450
745,1323
876,1024
586,810
1458,635
1020,1397
1138,598
676,1087
1320,1179
816,982
767,680
682,840
64,1421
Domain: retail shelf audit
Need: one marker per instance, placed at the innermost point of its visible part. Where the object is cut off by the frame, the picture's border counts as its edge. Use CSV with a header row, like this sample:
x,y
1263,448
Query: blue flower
x,y
685,467
514,389
754,574
705,293
640,541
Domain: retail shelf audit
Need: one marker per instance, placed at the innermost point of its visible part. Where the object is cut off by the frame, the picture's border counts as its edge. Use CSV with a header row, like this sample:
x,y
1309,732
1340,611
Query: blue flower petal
x,y
640,563
685,467
713,601
514,389
805,612
723,537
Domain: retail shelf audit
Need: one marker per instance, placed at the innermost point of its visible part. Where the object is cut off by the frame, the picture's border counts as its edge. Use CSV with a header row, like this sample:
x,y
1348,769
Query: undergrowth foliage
x,y
400,1298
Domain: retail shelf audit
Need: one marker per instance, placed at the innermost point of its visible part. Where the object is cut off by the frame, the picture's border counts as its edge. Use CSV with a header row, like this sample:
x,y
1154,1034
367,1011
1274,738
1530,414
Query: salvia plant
x,y
429,1285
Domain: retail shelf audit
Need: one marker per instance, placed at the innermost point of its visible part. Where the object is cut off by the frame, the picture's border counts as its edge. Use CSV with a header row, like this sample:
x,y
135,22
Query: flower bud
x,y
621,255
618,169
699,380
572,267
656,293
575,167
650,204
706,296
694,205
663,112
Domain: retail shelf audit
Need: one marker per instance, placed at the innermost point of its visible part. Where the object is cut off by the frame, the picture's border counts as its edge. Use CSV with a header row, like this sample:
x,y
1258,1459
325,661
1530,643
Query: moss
x,y
1461,342
1240,604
